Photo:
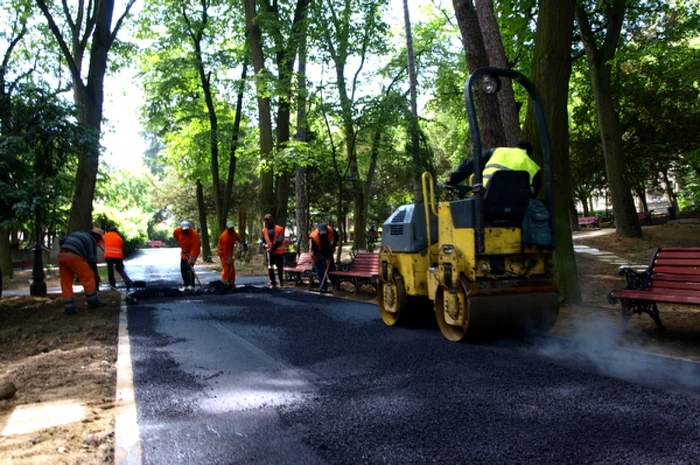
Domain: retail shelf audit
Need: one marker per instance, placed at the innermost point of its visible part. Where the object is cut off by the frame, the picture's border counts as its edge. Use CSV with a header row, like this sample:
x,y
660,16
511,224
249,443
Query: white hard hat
x,y
185,225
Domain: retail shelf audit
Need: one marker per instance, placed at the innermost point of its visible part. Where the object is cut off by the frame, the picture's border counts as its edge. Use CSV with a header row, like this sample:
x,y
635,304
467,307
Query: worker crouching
x,y
323,241
78,256
114,256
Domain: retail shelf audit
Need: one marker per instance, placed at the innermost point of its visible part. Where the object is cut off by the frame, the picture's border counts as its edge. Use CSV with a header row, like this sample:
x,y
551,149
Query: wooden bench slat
x,y
677,261
673,290
654,297
685,255
677,270
673,285
679,278
679,249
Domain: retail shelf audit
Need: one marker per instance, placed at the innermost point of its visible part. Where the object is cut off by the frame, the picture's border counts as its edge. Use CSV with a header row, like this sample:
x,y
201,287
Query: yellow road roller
x,y
468,259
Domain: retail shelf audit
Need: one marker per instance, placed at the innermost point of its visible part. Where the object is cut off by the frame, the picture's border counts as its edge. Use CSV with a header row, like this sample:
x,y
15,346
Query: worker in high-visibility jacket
x,y
188,240
272,242
226,250
322,242
502,158
78,256
114,256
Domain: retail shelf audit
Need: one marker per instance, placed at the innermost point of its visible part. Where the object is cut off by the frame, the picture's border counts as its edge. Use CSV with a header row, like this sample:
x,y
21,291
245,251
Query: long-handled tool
x,y
325,277
195,275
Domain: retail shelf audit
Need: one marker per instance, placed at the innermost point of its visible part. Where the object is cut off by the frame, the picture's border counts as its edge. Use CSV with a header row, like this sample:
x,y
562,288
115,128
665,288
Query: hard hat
x,y
98,231
185,225
230,224
322,228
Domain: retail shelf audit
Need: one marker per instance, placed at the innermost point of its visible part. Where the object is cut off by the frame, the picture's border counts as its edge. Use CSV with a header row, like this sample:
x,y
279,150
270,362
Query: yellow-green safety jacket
x,y
509,159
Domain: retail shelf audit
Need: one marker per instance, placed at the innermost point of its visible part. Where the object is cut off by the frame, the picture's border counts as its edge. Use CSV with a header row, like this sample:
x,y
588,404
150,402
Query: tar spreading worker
x,y
188,240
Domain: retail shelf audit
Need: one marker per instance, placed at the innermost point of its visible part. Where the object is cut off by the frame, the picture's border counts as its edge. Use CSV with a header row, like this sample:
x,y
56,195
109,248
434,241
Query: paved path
x,y
602,255
285,377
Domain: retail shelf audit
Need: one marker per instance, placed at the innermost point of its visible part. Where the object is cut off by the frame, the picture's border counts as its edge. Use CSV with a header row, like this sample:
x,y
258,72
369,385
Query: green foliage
x,y
37,156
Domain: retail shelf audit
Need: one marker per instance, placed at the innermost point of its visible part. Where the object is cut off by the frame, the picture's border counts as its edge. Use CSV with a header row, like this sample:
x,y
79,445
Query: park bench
x,y
673,276
644,218
155,243
303,268
589,221
23,264
363,269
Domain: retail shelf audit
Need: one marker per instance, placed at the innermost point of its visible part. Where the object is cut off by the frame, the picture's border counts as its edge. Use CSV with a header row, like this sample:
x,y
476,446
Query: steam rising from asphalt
x,y
602,345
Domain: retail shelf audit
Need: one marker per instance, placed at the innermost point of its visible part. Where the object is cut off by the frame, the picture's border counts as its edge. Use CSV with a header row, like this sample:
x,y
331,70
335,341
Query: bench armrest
x,y
635,280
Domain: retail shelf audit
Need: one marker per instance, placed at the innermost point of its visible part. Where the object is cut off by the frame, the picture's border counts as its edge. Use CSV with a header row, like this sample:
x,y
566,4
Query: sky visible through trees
x,y
122,140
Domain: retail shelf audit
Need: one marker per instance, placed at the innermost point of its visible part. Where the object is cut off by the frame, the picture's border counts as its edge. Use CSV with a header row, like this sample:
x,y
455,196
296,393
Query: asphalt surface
x,y
287,377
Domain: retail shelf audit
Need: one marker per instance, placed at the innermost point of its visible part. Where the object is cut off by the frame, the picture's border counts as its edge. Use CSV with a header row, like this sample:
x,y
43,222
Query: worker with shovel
x,y
226,248
323,241
272,242
188,239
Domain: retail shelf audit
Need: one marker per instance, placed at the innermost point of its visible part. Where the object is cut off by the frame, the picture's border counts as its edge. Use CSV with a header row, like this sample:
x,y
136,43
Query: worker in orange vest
x,y
188,240
272,242
226,249
114,256
78,256
322,242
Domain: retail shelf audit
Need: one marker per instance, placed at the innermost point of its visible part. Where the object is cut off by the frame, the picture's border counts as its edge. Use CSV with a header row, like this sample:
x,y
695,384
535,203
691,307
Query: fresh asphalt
x,y
289,377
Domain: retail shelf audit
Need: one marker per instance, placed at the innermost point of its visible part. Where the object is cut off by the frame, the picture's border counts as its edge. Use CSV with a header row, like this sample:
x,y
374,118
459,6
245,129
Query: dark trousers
x,y
320,267
187,273
117,263
278,261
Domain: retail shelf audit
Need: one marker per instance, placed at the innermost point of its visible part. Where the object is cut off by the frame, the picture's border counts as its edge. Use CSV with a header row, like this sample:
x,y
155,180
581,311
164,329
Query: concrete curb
x,y
127,443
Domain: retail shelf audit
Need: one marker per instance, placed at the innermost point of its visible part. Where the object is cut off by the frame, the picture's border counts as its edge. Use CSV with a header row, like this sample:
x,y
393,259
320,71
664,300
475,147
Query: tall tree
x,y
348,33
497,58
300,185
551,70
262,78
472,39
413,129
89,30
195,29
600,50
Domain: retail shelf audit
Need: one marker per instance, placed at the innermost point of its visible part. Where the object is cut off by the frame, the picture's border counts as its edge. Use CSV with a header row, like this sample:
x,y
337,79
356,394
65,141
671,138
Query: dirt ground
x,y
66,364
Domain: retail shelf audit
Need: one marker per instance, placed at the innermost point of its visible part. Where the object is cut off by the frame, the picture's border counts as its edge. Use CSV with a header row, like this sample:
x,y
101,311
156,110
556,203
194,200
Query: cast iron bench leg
x,y
630,307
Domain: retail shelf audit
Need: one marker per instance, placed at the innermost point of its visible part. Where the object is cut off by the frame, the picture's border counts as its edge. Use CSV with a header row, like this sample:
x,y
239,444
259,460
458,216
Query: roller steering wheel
x,y
456,190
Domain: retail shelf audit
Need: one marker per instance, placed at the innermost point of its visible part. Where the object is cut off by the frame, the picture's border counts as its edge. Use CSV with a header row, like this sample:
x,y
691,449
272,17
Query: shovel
x,y
323,281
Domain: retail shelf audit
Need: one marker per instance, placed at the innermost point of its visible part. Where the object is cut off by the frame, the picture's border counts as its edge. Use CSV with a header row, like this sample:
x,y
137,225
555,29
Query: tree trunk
x,y
487,107
5,253
599,60
89,95
413,85
497,58
551,70
267,195
301,199
228,189
204,229
672,198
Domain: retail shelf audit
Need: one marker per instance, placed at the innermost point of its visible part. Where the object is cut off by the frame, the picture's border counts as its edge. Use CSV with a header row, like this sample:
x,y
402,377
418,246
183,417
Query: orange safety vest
x,y
189,243
226,243
316,237
113,245
279,230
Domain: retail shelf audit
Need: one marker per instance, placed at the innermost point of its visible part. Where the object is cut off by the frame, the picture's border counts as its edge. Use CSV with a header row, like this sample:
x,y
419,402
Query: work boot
x,y
189,288
95,303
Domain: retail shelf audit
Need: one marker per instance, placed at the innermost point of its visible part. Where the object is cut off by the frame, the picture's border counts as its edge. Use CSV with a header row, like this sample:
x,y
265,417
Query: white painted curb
x,y
127,445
